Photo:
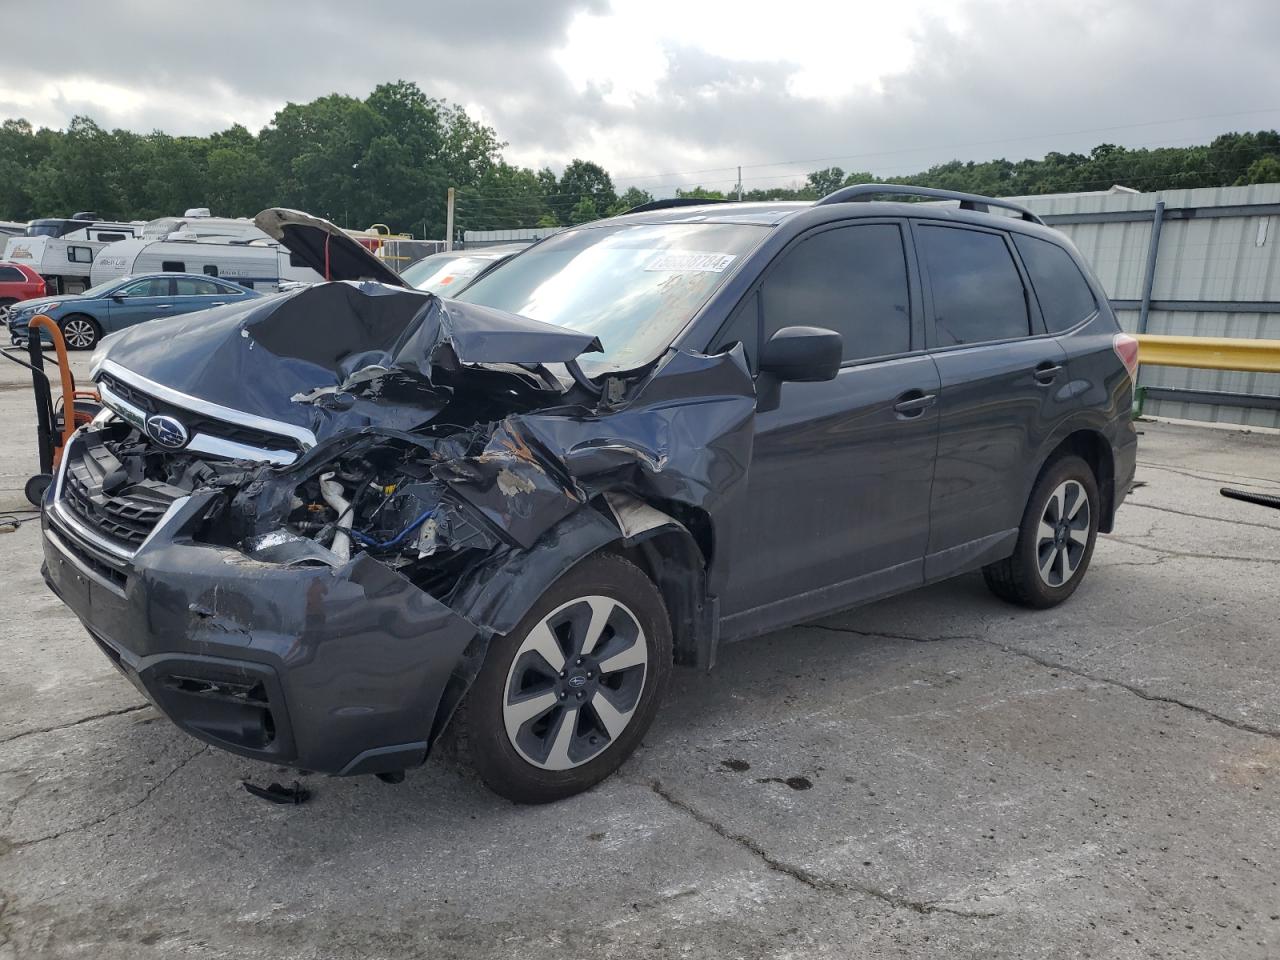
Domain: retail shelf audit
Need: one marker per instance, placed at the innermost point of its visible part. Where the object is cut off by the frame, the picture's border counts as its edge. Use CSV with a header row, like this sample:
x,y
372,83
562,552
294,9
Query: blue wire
x,y
394,541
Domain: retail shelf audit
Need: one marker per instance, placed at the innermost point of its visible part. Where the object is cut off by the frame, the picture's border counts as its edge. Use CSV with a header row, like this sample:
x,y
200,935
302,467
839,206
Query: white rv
x,y
197,224
260,265
63,251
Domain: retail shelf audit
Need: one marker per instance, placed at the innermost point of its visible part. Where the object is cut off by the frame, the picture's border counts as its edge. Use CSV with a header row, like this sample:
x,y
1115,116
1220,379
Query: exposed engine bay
x,y
378,494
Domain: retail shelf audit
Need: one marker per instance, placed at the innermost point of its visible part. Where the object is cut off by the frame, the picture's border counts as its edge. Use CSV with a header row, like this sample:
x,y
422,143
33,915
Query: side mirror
x,y
118,297
802,354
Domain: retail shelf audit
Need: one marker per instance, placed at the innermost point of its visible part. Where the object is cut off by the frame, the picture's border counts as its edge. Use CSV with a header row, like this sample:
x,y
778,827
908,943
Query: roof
x,y
771,213
767,213
175,273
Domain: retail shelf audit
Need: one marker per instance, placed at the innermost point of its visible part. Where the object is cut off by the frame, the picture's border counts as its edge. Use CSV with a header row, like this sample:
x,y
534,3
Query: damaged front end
x,y
371,484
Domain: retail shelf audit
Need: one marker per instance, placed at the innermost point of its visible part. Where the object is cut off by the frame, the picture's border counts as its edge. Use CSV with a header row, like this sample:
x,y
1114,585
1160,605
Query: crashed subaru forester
x,y
319,528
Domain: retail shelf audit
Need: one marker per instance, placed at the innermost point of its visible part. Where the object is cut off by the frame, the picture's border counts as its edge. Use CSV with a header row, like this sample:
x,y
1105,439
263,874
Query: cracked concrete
x,y
1101,779
806,877
75,723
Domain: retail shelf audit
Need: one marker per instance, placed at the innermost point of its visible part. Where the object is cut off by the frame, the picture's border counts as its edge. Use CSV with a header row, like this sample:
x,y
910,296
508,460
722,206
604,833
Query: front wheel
x,y
1055,541
563,699
80,332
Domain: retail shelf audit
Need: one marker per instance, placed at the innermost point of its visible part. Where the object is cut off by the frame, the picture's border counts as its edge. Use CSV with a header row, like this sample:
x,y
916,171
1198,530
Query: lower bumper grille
x,y
126,519
125,516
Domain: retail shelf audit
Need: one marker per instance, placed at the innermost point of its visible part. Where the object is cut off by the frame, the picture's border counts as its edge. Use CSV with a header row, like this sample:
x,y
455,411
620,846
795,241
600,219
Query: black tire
x,y
1018,578
35,488
479,728
83,328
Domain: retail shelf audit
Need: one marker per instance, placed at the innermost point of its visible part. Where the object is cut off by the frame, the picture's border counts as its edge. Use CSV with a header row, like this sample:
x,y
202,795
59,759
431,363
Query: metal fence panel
x,y
1205,254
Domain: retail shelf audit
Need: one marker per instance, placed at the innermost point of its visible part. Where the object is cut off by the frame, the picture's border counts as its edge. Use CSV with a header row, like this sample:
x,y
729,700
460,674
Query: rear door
x,y
837,504
195,294
1004,385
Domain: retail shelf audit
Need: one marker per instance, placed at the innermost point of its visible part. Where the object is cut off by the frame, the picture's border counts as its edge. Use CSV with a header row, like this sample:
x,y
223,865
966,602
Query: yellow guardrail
x,y
1209,353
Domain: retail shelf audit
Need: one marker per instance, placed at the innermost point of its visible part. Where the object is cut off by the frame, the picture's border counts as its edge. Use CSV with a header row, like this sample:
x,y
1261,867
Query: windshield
x,y
634,286
48,228
102,289
444,273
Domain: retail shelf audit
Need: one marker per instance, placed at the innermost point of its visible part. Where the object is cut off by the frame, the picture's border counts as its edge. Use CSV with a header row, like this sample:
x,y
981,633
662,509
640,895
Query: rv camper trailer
x,y
62,250
260,266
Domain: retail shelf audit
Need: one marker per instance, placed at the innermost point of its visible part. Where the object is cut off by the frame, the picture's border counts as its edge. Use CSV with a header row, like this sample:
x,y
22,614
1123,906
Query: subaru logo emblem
x,y
577,680
167,432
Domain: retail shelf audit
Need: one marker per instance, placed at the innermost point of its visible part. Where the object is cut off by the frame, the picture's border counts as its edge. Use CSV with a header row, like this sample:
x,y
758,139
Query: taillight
x,y
1126,348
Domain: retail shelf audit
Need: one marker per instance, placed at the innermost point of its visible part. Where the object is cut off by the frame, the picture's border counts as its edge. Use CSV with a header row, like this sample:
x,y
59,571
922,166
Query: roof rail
x,y
968,201
675,202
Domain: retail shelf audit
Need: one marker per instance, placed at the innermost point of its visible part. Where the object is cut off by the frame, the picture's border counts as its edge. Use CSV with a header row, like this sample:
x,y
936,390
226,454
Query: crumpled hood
x,y
340,356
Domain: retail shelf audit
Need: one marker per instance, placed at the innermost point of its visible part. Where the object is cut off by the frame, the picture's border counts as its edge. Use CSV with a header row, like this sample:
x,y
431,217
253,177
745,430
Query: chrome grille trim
x,y
200,442
232,416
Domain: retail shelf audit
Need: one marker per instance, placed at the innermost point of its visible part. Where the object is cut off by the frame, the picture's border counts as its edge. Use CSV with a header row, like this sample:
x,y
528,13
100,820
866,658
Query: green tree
x,y
1263,170
583,212
633,197
580,181
822,182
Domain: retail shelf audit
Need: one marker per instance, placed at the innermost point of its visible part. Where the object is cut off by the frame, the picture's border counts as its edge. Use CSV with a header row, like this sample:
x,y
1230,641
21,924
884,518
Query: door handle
x,y
219,303
1047,372
163,306
913,403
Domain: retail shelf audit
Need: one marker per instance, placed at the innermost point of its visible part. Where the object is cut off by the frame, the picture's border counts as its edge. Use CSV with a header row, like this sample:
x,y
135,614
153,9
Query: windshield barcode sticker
x,y
691,261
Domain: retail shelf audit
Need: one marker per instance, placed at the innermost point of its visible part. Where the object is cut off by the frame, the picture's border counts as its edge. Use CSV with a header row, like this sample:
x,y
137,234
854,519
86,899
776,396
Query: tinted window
x,y
155,287
110,237
1064,294
210,270
852,280
189,287
80,254
977,291
173,266
11,275
228,289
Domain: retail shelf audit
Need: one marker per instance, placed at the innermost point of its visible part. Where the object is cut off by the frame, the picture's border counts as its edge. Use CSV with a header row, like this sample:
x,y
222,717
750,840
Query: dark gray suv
x,y
320,528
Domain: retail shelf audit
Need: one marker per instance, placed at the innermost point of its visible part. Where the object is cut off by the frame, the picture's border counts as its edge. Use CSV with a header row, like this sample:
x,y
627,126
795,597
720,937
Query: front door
x,y
141,300
837,503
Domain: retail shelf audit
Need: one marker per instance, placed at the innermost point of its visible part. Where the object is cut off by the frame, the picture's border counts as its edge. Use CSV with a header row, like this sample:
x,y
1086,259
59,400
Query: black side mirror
x,y
802,354
118,297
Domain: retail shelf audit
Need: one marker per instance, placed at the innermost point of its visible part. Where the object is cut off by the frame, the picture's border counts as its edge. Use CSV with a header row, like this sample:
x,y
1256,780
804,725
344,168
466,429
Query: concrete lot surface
x,y
939,775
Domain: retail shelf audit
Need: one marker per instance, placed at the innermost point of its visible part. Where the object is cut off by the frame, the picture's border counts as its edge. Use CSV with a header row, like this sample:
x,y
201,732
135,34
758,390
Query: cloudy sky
x,y
667,93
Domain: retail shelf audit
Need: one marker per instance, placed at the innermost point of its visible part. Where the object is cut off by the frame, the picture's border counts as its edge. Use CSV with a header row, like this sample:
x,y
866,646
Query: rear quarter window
x,y
11,275
1064,294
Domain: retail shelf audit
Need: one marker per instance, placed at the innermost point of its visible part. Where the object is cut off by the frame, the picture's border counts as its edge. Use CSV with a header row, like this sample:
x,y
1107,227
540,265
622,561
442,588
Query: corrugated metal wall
x,y
1232,258
489,238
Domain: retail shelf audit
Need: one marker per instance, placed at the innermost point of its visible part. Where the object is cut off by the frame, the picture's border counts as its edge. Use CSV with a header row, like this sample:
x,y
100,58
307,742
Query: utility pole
x,y
448,221
739,182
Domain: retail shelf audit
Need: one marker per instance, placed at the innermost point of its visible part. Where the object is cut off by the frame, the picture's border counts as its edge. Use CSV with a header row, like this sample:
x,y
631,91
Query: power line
x,y
953,146
500,195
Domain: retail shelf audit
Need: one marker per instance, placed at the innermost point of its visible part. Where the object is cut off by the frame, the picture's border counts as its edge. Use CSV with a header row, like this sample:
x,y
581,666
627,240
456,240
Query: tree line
x,y
391,157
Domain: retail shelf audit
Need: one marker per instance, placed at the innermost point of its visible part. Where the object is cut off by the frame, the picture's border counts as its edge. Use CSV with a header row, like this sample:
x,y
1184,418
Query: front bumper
x,y
337,671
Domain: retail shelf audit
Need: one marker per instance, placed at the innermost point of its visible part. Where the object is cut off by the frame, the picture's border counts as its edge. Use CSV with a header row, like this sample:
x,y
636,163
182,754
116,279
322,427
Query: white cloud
x,y
653,87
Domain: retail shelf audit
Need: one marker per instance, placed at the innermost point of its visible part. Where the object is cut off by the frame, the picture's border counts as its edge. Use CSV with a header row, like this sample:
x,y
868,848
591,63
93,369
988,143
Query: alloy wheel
x,y
575,682
1062,536
79,334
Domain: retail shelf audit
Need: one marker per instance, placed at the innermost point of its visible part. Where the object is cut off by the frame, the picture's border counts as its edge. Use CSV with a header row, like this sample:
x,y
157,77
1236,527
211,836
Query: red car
x,y
19,282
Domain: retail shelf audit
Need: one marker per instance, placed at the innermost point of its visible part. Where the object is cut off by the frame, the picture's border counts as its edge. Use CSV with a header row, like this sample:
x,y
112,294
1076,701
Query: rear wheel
x,y
564,698
1056,538
80,332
